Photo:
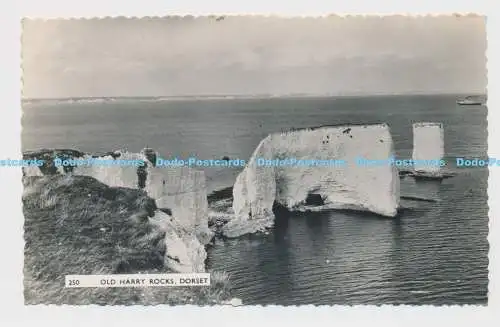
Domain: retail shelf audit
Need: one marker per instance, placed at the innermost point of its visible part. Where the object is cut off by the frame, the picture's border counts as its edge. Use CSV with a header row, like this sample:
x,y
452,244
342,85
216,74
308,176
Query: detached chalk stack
x,y
428,145
428,151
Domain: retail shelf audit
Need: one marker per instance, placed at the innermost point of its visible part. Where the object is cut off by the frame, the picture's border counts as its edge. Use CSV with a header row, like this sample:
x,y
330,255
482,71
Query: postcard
x,y
255,160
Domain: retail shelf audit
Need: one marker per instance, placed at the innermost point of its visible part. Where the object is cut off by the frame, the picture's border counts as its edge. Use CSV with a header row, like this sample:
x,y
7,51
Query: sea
x,y
434,252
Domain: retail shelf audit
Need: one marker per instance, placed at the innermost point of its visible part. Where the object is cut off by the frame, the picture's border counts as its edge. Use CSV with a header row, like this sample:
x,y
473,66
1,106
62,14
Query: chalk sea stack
x,y
428,150
428,144
367,188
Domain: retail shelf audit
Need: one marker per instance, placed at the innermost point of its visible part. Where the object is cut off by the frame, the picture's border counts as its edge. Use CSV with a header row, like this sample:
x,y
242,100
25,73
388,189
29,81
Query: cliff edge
x,y
78,225
179,195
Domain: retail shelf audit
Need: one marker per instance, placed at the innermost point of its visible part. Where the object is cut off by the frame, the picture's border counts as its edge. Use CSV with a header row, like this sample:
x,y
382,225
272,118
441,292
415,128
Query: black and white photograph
x,y
334,160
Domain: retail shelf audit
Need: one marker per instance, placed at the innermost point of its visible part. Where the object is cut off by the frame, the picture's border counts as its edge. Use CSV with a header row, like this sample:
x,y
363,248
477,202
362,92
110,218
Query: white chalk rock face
x,y
184,251
183,191
428,144
372,188
32,171
112,175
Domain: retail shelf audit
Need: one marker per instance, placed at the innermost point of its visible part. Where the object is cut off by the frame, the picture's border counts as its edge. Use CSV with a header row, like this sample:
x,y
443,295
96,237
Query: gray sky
x,y
253,55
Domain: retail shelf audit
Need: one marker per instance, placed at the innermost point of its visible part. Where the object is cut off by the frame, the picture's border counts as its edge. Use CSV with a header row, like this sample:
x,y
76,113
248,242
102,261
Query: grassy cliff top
x,y
78,225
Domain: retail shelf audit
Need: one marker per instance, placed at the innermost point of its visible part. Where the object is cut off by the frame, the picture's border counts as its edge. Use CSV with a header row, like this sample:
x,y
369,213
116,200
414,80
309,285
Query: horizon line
x,y
256,95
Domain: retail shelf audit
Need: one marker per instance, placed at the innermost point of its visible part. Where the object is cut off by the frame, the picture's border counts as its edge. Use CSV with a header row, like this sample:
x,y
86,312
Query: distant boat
x,y
469,101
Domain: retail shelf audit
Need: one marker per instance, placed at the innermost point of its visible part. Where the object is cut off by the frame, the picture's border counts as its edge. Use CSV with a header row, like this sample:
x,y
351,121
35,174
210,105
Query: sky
x,y
253,55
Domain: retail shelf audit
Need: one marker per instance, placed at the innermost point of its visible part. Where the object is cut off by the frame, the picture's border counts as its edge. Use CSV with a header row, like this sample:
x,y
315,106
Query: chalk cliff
x,y
372,188
114,176
78,225
183,190
184,250
179,192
